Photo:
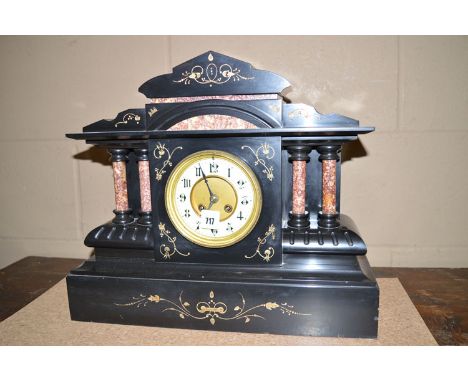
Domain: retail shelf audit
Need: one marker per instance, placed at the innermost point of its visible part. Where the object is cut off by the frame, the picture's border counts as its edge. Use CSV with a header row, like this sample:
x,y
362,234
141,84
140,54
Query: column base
x,y
122,217
299,221
328,221
145,218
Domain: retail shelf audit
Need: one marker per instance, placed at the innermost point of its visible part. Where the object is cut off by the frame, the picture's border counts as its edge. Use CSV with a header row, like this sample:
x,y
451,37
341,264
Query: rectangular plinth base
x,y
288,303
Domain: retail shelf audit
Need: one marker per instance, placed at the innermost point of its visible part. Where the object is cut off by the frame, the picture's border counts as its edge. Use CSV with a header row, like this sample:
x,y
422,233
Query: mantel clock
x,y
227,212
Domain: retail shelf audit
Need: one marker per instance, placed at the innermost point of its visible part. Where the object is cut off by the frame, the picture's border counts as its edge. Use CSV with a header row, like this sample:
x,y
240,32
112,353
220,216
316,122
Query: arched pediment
x,y
213,73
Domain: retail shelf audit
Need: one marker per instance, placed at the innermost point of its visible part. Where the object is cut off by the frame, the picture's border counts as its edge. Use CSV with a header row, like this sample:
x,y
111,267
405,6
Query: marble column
x,y
299,216
329,156
145,189
123,214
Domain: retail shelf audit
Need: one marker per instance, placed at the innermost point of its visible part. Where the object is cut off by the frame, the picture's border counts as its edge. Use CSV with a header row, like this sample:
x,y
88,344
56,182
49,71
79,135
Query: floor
x,y
439,294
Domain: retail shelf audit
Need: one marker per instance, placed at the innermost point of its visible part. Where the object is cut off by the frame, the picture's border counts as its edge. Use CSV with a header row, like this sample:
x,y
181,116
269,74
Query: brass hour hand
x,y
213,197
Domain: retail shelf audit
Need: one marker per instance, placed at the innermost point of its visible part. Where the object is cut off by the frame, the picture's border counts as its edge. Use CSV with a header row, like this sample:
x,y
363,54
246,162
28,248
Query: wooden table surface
x,y
439,294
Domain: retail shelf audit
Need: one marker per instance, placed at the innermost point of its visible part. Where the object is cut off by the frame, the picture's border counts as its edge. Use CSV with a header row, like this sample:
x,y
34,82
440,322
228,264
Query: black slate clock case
x,y
317,283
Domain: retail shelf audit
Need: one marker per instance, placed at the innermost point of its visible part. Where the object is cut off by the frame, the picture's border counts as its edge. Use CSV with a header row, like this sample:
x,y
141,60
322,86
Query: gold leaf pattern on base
x,y
213,310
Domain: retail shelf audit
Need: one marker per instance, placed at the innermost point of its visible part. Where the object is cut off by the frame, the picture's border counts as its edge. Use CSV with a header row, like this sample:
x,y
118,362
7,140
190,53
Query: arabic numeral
x,y
214,167
241,183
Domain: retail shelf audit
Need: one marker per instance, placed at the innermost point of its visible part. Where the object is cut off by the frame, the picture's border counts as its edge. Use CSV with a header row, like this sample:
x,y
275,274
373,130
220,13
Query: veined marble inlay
x,y
299,187
145,192
120,185
245,97
329,187
213,122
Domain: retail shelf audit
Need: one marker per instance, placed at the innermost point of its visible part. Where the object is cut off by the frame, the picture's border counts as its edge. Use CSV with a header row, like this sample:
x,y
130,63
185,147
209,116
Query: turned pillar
x,y
329,156
145,190
123,214
299,215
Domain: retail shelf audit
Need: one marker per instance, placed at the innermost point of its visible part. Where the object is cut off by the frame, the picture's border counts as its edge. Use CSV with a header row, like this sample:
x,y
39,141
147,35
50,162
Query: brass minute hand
x,y
213,197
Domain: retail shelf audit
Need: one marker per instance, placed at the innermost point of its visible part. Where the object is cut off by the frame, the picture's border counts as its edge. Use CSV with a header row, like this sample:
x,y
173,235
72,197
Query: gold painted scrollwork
x,y
129,117
169,248
268,153
268,253
212,310
211,74
159,152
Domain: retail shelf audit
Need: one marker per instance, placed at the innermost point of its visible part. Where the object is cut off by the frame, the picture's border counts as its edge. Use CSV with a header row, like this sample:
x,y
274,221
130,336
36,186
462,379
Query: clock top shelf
x,y
218,85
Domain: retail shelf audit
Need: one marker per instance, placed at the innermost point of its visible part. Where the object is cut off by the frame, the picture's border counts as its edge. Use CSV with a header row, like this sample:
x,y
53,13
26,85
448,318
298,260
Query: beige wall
x,y
407,195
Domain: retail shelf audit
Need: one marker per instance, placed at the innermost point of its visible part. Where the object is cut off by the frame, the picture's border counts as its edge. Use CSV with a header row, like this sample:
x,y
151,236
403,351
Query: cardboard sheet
x,y
46,321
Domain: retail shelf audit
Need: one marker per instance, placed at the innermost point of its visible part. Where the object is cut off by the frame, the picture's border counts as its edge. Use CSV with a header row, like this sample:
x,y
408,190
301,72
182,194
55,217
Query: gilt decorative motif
x,y
127,118
267,152
299,113
211,309
152,111
212,74
160,152
168,248
268,253
275,108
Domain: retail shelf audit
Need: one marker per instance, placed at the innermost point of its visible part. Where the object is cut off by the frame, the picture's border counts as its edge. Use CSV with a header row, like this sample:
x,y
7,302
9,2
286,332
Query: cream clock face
x,y
213,198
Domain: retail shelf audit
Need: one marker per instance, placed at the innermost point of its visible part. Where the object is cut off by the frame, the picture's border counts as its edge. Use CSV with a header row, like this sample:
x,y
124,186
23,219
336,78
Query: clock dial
x,y
213,198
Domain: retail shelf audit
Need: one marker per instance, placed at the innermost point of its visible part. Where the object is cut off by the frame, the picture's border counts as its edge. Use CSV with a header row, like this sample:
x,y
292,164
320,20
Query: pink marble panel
x,y
120,186
145,191
329,187
213,122
299,187
244,97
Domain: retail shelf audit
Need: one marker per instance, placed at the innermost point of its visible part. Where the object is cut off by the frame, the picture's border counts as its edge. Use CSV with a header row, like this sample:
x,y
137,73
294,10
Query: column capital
x,y
142,154
118,155
299,152
329,152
